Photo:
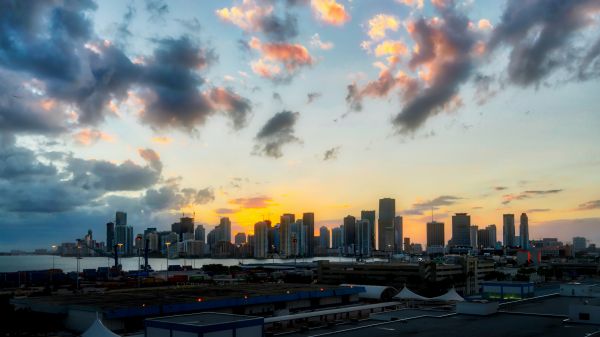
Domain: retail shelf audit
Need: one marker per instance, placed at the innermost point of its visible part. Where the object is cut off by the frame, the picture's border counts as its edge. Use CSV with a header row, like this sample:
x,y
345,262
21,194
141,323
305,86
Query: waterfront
x,y
12,263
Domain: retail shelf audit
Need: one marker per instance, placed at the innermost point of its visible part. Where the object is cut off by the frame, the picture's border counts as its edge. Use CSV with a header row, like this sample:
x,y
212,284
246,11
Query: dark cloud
x,y
152,158
312,96
484,90
157,9
332,153
105,176
528,194
276,133
542,36
193,25
590,205
204,196
171,196
277,97
279,29
500,188
421,207
123,32
19,162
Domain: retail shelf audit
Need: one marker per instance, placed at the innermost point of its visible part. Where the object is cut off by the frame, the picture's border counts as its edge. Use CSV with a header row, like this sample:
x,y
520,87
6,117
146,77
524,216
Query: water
x,y
13,263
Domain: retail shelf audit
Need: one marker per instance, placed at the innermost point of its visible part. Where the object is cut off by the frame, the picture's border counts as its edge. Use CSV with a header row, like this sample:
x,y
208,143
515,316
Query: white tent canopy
x,y
373,292
450,296
97,329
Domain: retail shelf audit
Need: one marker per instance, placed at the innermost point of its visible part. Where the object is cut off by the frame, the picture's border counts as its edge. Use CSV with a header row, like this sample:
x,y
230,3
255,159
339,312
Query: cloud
x,y
279,61
312,96
276,133
500,188
483,88
252,202
223,211
162,140
19,162
544,38
332,153
315,41
380,24
421,207
538,210
102,175
330,11
277,97
590,205
157,9
528,194
89,136
171,196
152,158
412,3
253,17
204,196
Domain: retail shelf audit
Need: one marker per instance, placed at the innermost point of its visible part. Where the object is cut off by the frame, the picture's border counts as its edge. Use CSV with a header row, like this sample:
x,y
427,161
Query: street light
x,y
78,258
52,271
167,271
138,239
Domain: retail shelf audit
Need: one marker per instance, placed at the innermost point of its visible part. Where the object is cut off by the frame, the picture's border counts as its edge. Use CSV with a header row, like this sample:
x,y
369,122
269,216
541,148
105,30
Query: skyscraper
x,y
110,236
493,236
261,239
370,215
121,219
224,230
129,240
524,231
461,233
398,231
240,238
200,233
350,234
579,244
308,219
121,238
185,225
324,237
435,234
473,236
285,235
336,237
387,212
508,230
363,238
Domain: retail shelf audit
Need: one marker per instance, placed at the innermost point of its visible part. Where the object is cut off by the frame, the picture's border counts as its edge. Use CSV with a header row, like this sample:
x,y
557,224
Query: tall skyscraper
x,y
435,234
387,212
285,235
224,230
579,244
110,236
461,232
261,239
493,236
200,233
473,236
129,240
398,232
524,231
508,230
483,238
350,234
370,215
336,237
121,219
240,238
185,225
324,237
121,238
363,238
308,219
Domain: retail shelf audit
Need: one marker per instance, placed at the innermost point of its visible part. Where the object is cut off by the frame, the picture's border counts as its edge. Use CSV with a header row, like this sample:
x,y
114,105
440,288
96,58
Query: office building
x,y
185,225
493,236
223,230
240,238
473,236
308,219
121,219
324,237
579,244
285,235
363,238
110,236
336,238
261,239
524,231
200,233
461,230
370,215
483,238
398,231
387,212
508,230
435,234
350,234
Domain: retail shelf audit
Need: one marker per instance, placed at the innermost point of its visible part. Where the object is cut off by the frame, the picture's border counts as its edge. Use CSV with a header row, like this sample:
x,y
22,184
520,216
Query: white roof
x,y
407,294
371,292
97,329
450,296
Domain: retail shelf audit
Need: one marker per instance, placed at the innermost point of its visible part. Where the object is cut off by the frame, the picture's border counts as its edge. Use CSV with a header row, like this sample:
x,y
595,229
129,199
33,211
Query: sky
x,y
254,108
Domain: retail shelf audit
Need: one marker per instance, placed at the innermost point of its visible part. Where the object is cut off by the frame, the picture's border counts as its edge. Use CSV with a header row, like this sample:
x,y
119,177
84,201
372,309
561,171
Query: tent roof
x,y
407,294
451,295
97,329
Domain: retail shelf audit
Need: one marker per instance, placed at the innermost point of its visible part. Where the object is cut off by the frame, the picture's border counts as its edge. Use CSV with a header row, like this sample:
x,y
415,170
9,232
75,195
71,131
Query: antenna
x,y
432,213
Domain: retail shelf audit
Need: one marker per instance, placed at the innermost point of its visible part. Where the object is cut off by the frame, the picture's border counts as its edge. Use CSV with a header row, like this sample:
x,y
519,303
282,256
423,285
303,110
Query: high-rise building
x,y
473,236
524,231
185,225
121,219
336,238
363,238
579,244
200,233
435,234
350,234
110,236
129,240
461,233
324,237
285,235
261,239
224,230
508,230
387,212
308,219
483,238
398,231
407,245
240,238
493,236
370,215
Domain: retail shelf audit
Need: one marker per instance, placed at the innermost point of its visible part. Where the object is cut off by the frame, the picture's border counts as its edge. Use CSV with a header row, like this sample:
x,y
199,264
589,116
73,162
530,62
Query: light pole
x,y
138,240
52,271
120,245
78,258
167,270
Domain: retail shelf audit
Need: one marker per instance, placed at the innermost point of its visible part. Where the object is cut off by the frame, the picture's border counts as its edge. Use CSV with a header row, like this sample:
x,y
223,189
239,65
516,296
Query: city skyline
x,y
253,109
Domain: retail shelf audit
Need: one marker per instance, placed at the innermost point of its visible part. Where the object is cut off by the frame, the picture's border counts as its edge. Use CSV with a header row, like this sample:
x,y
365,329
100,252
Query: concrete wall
x,y
584,313
477,308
